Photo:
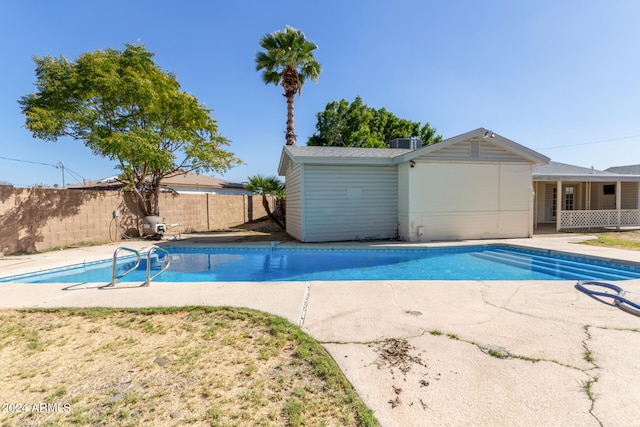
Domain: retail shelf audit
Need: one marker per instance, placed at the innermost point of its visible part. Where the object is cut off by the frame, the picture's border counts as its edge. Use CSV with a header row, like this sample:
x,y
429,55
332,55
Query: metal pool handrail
x,y
115,278
167,257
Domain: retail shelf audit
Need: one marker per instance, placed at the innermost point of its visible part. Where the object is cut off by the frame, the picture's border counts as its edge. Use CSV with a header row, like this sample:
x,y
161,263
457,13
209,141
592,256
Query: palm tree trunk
x,y
291,85
290,135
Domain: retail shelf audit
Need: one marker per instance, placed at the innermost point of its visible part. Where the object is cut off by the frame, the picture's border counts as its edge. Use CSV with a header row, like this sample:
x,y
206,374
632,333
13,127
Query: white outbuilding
x,y
473,186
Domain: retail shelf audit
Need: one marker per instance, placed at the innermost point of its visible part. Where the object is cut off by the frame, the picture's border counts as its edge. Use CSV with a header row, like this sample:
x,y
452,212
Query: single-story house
x,y
589,198
197,184
472,186
183,183
477,185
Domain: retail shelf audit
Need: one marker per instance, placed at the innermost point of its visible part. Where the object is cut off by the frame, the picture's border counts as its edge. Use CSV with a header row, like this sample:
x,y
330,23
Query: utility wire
x,y
58,165
75,175
587,143
28,161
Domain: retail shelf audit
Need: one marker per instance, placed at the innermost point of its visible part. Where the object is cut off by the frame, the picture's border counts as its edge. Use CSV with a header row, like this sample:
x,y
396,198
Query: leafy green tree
x,y
265,186
288,60
124,107
358,125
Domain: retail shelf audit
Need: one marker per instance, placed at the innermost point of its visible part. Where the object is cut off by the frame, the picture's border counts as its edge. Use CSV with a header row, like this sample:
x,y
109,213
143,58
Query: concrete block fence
x,y
37,219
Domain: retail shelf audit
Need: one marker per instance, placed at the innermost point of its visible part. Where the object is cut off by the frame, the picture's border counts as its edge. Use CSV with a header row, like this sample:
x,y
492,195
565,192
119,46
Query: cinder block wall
x,y
36,219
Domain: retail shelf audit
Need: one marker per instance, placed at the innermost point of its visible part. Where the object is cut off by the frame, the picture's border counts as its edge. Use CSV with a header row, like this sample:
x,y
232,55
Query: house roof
x,y
555,171
190,179
630,169
391,156
110,183
491,136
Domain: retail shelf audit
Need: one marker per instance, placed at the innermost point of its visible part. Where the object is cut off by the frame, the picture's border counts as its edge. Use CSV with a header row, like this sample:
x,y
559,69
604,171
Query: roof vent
x,y
408,143
474,149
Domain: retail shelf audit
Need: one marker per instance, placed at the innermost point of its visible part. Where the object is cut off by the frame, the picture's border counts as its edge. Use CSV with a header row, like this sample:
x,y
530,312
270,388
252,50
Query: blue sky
x,y
560,77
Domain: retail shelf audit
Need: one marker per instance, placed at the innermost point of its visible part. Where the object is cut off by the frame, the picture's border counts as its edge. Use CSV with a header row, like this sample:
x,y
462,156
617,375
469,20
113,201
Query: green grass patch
x,y
587,387
622,240
498,354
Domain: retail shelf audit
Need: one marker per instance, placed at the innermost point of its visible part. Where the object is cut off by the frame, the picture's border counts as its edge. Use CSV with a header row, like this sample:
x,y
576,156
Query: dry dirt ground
x,y
263,230
157,367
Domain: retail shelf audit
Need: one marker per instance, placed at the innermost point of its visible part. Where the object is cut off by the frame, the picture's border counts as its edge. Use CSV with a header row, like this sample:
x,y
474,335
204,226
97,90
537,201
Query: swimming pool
x,y
478,262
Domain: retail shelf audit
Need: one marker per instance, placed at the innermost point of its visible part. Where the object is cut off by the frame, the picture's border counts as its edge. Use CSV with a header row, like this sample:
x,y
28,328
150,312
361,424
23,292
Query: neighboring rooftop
x,y
190,179
182,180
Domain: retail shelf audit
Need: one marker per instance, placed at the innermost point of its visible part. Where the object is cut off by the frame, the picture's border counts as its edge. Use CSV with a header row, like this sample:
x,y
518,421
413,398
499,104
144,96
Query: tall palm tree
x,y
288,60
269,185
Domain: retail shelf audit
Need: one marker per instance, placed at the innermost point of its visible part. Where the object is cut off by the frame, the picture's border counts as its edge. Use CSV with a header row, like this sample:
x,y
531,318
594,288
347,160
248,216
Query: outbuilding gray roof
x,y
351,152
338,156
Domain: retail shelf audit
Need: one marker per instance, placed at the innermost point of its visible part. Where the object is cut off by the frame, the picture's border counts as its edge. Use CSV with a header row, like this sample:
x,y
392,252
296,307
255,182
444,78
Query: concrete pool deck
x,y
573,359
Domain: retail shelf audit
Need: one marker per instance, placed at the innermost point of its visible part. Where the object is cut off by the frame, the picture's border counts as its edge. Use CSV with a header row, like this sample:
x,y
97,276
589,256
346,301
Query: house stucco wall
x,y
465,200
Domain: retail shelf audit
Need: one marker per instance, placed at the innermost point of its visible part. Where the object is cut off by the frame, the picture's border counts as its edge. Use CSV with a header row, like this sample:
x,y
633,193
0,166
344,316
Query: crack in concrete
x,y
593,372
56,298
586,386
305,304
395,296
532,316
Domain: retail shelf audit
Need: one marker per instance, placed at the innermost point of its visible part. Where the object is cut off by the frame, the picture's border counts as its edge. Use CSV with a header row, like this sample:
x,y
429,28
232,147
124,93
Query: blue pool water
x,y
484,262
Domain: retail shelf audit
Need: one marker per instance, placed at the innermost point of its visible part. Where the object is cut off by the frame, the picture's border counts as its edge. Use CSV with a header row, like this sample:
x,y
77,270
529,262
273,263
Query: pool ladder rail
x,y
149,278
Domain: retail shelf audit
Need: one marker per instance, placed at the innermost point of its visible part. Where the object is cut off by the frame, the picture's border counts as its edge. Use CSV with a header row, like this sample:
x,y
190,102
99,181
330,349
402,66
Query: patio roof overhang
x,y
586,177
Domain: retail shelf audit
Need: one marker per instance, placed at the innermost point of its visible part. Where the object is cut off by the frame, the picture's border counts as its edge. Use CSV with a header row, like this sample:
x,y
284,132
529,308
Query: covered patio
x,y
589,198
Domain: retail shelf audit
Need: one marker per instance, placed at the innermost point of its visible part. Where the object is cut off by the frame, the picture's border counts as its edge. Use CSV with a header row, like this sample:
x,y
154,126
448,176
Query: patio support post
x,y
535,204
559,202
531,210
618,203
